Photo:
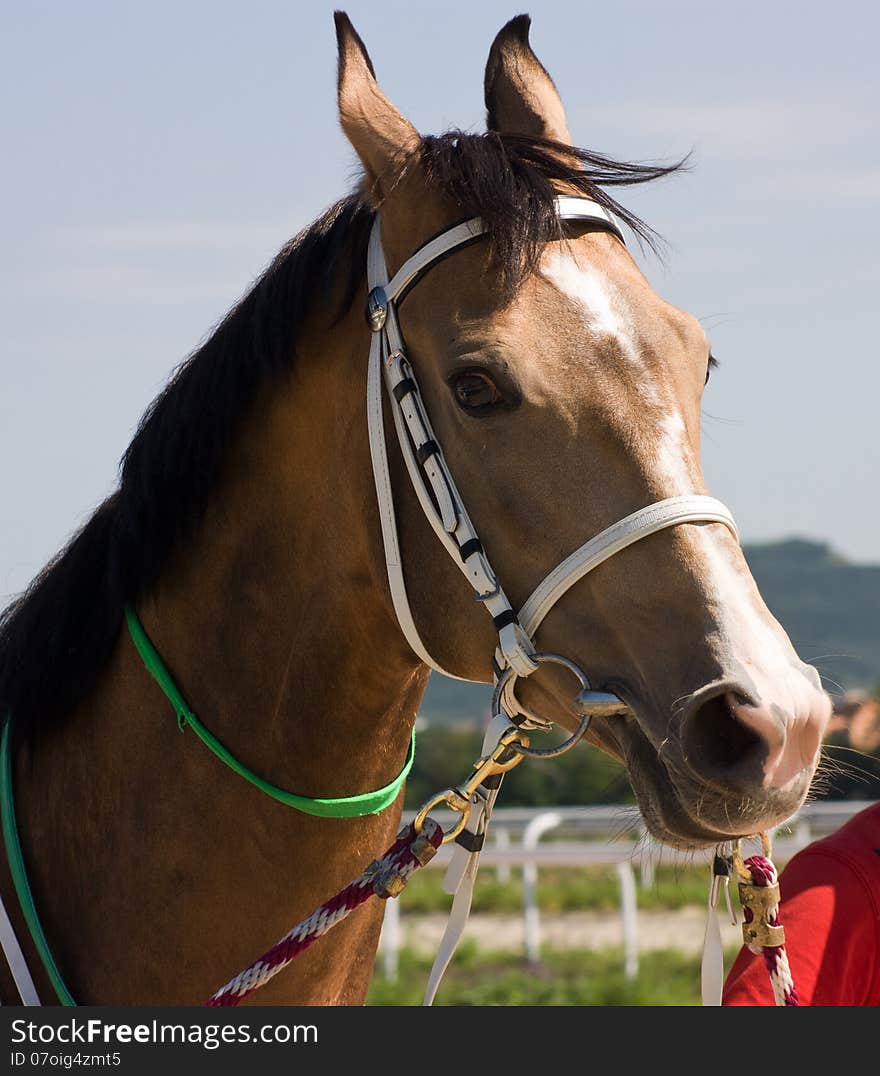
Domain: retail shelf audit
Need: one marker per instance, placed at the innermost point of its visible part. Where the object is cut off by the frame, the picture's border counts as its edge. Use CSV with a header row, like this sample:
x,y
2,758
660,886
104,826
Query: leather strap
x,y
21,975
430,476
444,509
435,487
656,517
567,207
382,476
431,252
712,962
461,874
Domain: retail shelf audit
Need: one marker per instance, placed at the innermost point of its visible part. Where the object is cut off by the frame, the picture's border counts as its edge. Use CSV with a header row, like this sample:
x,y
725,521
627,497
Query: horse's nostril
x,y
720,747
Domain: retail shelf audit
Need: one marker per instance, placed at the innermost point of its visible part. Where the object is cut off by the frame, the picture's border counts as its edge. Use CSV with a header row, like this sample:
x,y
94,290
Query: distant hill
x,y
829,607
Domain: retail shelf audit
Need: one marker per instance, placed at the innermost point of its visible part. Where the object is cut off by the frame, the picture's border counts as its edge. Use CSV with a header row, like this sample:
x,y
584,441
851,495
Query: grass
x,y
572,977
562,890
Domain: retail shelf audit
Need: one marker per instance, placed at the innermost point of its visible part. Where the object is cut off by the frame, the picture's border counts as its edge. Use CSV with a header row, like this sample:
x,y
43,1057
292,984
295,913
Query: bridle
x,y
516,655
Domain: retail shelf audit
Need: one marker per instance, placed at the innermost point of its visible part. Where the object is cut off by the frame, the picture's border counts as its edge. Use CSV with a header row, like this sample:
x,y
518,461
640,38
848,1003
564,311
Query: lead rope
x,y
763,933
415,846
385,877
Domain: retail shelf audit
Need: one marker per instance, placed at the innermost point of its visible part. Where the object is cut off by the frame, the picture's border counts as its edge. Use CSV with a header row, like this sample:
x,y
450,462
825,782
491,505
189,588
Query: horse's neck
x,y
276,625
277,622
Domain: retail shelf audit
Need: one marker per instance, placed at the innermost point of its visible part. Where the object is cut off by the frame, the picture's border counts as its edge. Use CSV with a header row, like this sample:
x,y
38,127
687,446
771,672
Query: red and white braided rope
x,y
763,873
385,877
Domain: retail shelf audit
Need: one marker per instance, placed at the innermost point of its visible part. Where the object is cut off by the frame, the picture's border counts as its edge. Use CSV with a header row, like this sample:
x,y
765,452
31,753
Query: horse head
x,y
565,393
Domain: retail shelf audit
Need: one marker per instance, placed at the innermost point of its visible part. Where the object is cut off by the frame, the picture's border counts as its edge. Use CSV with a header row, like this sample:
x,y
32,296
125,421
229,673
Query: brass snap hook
x,y
508,752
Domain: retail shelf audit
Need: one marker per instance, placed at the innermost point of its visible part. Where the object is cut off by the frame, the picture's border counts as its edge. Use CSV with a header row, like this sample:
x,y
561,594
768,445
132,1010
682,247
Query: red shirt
x,y
830,909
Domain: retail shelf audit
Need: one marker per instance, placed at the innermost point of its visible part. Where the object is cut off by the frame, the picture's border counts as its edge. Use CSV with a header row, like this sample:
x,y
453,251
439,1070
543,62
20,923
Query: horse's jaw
x,y
680,810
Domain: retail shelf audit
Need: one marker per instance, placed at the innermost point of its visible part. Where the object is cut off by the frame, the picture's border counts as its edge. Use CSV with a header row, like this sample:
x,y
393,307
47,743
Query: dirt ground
x,y
683,929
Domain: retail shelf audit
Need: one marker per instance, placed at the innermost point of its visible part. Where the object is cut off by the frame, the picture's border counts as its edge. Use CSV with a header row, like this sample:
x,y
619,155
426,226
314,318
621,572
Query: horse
x,y
245,539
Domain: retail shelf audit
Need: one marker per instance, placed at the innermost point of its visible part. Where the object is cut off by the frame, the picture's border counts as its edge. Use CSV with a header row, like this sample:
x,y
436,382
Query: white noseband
x,y
436,489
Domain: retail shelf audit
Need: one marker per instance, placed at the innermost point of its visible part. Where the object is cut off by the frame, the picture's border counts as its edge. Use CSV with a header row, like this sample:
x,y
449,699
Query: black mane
x,y
56,637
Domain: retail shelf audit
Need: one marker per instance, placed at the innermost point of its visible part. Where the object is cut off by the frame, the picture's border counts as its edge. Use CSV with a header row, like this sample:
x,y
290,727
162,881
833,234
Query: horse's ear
x,y
381,136
520,96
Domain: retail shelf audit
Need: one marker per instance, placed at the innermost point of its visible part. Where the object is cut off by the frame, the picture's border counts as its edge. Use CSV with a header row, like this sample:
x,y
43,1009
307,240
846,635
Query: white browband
x,y
435,487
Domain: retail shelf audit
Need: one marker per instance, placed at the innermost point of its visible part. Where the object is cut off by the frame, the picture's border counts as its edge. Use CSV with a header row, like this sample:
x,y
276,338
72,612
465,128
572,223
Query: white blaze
x,y
672,455
767,660
607,314
604,310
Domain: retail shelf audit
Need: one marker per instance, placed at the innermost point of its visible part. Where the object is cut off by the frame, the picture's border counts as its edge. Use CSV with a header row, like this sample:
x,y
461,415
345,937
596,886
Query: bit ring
x,y
541,658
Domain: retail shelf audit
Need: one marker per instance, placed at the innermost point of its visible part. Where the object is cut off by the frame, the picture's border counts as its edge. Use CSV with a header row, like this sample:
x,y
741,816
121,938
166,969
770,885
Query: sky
x,y
157,156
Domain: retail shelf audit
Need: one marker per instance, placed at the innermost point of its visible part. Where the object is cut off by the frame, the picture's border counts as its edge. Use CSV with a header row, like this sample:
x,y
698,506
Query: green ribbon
x,y
323,807
18,871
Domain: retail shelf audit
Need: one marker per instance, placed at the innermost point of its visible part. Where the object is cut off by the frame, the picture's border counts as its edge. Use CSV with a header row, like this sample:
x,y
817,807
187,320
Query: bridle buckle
x,y
377,309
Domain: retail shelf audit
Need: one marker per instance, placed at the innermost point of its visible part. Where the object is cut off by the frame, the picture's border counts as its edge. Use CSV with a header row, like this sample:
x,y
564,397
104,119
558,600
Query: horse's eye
x,y
710,366
476,391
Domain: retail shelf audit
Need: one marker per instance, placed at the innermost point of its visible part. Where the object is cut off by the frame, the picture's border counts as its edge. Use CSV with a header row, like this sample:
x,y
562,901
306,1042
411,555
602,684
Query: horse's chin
x,y
676,809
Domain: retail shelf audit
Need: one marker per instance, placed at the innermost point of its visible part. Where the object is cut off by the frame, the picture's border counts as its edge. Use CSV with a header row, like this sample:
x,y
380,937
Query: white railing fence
x,y
591,836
